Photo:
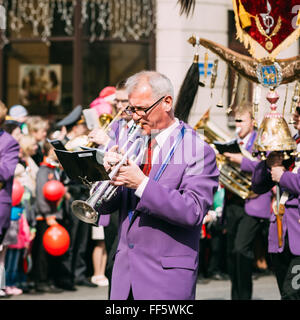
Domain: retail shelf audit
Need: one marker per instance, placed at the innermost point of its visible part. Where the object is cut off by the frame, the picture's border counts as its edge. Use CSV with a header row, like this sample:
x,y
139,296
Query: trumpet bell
x,y
85,212
105,119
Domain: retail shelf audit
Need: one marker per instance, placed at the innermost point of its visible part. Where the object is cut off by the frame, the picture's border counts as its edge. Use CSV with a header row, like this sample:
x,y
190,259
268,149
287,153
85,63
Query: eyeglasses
x,y
141,111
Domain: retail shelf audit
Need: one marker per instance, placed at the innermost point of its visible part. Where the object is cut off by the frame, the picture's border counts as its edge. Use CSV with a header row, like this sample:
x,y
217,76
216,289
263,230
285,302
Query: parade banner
x,y
272,24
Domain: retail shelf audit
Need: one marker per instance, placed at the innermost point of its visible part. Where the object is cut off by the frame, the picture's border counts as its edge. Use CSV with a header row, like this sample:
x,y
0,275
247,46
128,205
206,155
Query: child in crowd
x,y
37,127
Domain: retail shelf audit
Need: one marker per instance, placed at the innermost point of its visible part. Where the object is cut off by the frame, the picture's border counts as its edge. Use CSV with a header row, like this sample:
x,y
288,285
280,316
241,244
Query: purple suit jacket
x,y
291,220
157,254
259,206
9,155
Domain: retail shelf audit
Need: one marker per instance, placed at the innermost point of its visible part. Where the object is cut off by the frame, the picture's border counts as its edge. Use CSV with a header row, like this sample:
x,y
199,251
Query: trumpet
x,y
106,120
86,211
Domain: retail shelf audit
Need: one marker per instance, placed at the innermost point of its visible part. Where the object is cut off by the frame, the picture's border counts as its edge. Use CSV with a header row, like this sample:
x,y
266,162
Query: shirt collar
x,y
162,136
245,139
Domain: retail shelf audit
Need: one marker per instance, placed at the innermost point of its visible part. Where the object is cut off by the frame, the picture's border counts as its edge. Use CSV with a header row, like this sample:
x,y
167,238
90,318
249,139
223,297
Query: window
x,y
79,66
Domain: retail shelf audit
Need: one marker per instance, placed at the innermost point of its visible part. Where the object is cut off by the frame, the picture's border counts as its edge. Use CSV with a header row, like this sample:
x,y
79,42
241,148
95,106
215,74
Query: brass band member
x,y
285,259
163,204
244,218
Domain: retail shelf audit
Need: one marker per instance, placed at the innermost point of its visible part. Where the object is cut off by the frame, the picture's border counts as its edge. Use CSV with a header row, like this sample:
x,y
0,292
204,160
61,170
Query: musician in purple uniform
x,y
162,204
9,152
118,129
285,258
244,218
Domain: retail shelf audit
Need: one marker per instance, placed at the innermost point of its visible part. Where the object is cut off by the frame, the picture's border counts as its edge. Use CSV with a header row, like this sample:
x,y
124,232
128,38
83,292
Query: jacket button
x,y
130,245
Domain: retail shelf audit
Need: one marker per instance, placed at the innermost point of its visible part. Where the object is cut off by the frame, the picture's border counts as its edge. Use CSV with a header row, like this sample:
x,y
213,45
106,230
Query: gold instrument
x,y
231,176
105,121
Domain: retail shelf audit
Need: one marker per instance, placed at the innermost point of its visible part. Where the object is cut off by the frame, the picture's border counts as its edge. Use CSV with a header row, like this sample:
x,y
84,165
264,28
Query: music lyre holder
x,y
83,166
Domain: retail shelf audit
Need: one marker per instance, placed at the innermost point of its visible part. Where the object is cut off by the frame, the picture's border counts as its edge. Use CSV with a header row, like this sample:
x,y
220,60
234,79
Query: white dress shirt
x,y
160,138
244,140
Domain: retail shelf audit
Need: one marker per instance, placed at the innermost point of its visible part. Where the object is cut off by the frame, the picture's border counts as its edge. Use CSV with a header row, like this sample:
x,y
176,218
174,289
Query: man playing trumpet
x,y
118,129
162,204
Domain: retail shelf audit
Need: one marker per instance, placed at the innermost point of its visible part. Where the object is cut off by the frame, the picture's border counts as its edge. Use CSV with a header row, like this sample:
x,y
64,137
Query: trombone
x,y
106,120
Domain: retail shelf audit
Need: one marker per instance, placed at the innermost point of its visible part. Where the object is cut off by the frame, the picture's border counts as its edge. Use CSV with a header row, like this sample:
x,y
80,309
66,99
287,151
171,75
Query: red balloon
x,y
56,240
53,190
17,192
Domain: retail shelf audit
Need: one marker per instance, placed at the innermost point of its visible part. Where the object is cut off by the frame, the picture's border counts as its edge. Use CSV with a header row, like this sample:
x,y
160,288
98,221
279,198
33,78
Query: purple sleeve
x,y
248,165
9,160
261,178
291,182
104,220
189,203
112,205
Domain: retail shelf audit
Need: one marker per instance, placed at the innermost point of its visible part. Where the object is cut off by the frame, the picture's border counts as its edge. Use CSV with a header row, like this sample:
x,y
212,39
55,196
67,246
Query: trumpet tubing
x,y
86,211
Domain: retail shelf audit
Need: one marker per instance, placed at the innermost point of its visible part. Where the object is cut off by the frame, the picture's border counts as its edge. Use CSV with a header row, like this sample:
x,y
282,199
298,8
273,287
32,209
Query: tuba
x,y
231,176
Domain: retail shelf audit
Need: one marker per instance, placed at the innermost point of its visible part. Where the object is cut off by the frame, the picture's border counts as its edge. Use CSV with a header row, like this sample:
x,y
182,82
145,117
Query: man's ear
x,y
168,103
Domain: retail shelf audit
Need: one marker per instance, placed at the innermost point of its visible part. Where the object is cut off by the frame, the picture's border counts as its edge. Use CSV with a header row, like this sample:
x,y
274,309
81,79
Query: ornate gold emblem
x,y
269,44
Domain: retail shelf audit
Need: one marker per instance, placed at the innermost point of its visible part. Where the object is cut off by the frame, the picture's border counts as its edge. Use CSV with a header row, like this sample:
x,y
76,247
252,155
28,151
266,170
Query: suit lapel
x,y
155,167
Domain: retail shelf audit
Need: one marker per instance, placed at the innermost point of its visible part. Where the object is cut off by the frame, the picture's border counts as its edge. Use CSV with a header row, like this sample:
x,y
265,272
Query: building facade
x,y
93,44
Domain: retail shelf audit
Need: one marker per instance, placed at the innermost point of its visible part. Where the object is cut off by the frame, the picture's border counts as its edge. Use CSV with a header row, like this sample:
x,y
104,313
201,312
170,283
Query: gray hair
x,y
159,83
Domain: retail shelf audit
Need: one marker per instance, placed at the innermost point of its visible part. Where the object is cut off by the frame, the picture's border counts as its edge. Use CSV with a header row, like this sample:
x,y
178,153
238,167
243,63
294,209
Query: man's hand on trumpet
x,y
111,158
129,175
99,136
